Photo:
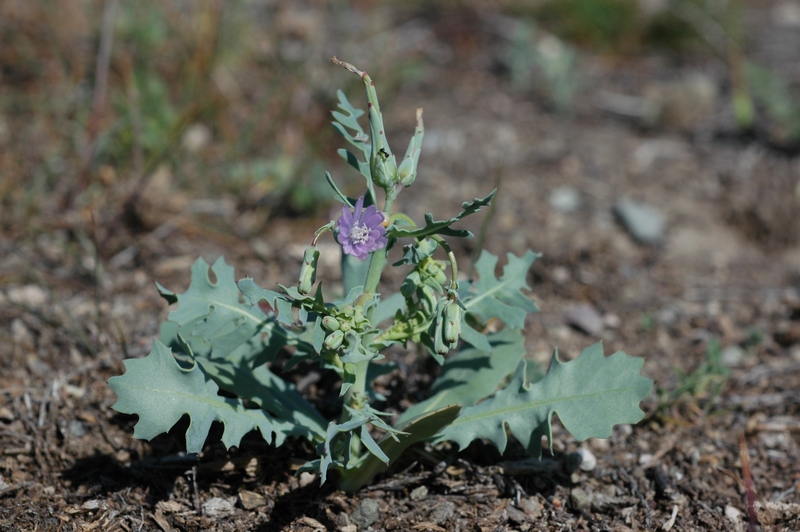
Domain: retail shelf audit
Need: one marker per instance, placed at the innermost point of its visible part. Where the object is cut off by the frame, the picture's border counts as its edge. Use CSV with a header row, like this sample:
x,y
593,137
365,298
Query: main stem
x,y
355,395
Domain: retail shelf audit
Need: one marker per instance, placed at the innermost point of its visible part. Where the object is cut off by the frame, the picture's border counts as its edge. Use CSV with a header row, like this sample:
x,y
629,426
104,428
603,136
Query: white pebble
x,y
588,459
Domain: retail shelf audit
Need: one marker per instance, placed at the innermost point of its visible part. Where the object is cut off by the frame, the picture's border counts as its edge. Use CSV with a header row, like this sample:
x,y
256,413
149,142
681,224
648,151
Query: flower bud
x,y
334,340
308,270
437,327
329,323
427,298
451,331
383,168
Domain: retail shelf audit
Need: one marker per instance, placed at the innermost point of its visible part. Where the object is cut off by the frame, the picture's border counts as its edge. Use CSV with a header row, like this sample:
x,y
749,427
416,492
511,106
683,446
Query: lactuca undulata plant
x,y
223,336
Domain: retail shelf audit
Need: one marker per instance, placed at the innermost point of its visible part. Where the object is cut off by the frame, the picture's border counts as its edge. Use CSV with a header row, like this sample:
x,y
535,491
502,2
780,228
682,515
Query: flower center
x,y
359,234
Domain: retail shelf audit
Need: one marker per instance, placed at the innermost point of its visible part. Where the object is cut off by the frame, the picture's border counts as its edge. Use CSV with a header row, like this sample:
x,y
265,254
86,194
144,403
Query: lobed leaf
x,y
490,297
160,392
268,391
473,374
212,318
590,395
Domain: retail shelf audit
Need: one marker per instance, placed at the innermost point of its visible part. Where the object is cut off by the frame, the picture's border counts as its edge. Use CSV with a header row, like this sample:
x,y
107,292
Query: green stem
x,y
356,392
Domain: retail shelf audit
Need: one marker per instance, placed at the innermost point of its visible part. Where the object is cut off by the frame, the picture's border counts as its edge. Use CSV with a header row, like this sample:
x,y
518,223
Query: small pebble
x,y
306,478
443,512
733,356
588,459
732,513
565,199
76,428
93,504
585,318
217,507
531,506
250,500
367,512
420,492
579,499
645,223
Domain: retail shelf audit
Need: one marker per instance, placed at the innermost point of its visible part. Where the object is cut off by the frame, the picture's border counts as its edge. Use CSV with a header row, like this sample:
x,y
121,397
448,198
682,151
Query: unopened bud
x,y
334,340
308,270
427,298
330,323
437,327
451,330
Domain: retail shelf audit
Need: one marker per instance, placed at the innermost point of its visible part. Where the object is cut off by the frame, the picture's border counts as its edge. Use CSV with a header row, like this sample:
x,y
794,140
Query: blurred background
x,y
116,115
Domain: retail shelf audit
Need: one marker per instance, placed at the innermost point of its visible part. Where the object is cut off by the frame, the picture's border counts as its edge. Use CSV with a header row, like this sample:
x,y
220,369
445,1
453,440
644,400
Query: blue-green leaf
x,y
590,395
416,430
160,392
442,227
279,303
269,392
490,297
473,374
212,318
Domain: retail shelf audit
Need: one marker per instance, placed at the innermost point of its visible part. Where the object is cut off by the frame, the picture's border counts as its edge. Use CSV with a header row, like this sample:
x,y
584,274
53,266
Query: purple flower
x,y
361,232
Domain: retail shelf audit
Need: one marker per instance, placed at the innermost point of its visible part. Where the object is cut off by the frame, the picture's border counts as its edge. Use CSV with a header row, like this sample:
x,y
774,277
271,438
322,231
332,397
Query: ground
x,y
712,303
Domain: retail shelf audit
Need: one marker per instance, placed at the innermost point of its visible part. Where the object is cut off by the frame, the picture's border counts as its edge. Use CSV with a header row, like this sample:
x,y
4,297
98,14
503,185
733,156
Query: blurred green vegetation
x,y
231,99
227,99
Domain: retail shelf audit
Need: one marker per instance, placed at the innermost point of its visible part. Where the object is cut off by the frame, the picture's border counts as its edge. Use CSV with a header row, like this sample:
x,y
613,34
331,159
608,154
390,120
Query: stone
x,y
531,506
420,492
588,459
76,428
443,512
585,318
732,513
366,513
565,199
733,356
579,499
250,500
217,507
645,223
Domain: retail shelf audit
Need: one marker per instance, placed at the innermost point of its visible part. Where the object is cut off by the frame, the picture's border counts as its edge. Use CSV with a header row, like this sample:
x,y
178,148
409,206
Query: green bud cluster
x,y
425,282
342,321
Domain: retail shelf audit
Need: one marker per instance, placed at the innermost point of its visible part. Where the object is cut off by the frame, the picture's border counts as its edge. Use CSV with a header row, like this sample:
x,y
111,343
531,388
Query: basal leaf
x,y
590,395
269,392
160,392
473,374
213,319
490,297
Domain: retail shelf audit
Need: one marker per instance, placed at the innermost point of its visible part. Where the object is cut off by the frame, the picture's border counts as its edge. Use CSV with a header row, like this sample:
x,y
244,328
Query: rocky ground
x,y
676,240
